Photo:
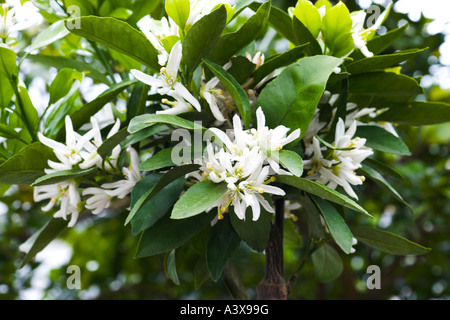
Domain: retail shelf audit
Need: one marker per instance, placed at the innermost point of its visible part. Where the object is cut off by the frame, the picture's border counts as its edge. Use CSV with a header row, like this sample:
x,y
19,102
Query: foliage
x,y
142,224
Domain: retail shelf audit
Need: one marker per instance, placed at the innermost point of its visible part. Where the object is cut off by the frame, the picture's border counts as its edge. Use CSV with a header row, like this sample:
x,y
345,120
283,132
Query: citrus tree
x,y
224,129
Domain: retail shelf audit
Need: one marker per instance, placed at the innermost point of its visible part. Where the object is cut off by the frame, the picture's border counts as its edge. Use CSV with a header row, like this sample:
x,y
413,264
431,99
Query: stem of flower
x,y
273,286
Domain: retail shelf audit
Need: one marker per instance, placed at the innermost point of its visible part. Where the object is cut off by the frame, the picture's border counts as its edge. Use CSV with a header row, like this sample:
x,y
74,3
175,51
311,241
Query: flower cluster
x,y
336,166
81,152
246,163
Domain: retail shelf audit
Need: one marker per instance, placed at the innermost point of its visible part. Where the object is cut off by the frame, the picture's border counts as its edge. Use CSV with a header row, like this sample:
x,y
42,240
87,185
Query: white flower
x,y
90,151
27,14
99,200
168,79
358,32
68,154
200,8
212,94
64,193
122,188
178,106
246,180
338,167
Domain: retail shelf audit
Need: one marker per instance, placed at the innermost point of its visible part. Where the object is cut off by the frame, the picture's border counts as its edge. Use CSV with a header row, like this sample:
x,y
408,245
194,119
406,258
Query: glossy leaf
x,y
416,113
198,198
337,226
388,242
379,139
117,35
60,176
238,94
291,99
202,37
321,191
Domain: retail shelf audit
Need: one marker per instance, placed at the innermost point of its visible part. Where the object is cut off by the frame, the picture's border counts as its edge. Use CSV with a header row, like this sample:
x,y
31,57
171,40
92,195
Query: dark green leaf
x,y
238,94
223,243
321,191
381,62
117,35
291,161
231,43
27,165
304,37
416,113
278,61
158,205
168,234
42,238
385,84
170,176
60,176
202,37
382,140
336,225
109,144
327,264
171,267
379,179
388,242
254,233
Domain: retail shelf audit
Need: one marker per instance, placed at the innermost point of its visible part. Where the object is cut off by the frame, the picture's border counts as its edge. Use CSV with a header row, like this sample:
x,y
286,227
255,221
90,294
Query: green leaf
x,y
51,34
388,242
382,140
168,234
315,226
158,206
231,43
60,176
202,37
223,243
291,99
27,165
238,94
168,177
278,61
146,120
309,16
84,114
381,167
321,191
241,68
379,179
62,84
117,35
6,91
8,65
30,113
160,160
378,44
171,268
42,238
291,237
280,20
381,62
304,37
336,30
327,264
254,233
198,198
417,113
384,84
291,161
336,225
109,144
178,11
8,132
62,62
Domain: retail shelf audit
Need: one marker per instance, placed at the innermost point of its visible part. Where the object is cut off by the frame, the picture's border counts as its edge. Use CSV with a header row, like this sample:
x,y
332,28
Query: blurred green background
x,y
104,249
